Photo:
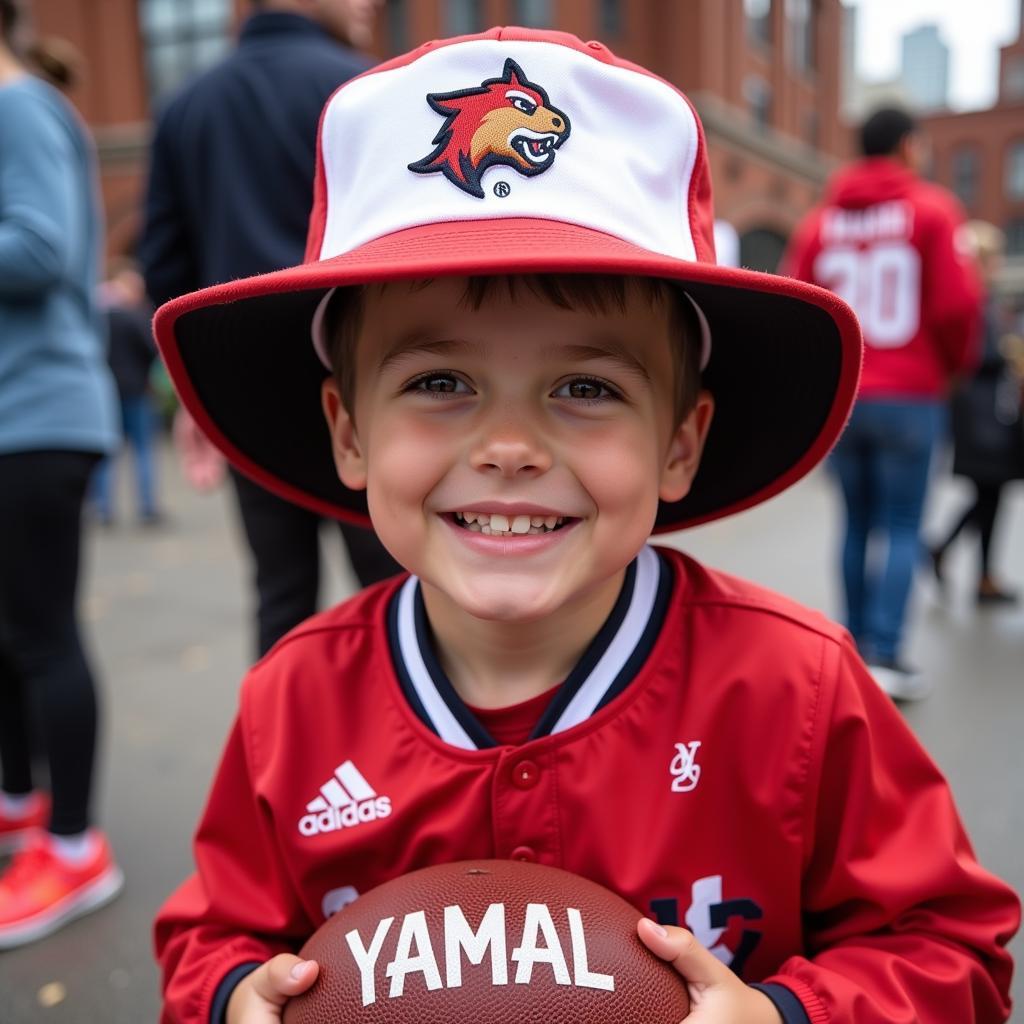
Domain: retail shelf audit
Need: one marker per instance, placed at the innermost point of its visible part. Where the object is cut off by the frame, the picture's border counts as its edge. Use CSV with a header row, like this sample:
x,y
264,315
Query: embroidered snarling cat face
x,y
506,121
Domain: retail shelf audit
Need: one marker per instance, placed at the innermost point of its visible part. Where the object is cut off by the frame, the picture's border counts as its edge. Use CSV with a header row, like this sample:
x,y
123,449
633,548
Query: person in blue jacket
x,y
57,419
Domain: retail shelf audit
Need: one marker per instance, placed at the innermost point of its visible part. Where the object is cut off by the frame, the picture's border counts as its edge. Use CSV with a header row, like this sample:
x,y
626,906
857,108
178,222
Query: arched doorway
x,y
762,249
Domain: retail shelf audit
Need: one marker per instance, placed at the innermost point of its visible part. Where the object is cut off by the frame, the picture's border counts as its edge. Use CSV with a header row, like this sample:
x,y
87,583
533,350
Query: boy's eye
x,y
439,384
587,389
523,104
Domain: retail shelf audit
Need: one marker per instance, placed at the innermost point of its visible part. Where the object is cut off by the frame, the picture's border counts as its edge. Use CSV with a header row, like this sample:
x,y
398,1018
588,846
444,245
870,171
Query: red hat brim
x,y
785,359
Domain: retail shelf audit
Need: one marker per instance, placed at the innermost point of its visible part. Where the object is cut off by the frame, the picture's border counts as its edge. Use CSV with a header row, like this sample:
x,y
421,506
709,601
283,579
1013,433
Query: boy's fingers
x,y
284,976
684,952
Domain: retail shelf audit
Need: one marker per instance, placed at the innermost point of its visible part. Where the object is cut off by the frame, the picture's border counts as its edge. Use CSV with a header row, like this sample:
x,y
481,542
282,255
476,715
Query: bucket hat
x,y
514,151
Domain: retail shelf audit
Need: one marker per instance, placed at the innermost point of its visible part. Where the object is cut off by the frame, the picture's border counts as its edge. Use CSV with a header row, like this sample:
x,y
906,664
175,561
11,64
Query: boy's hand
x,y
260,997
717,996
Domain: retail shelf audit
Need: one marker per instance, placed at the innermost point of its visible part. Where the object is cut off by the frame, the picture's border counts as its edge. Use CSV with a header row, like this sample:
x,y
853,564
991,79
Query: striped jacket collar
x,y
608,665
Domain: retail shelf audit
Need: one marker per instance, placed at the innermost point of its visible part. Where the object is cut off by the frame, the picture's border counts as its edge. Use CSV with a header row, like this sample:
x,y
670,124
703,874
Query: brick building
x,y
764,74
980,156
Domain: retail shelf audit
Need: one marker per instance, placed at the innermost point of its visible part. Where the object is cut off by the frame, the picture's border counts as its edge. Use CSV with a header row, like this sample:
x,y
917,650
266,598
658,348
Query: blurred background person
x,y
57,418
727,244
230,187
885,241
988,436
131,353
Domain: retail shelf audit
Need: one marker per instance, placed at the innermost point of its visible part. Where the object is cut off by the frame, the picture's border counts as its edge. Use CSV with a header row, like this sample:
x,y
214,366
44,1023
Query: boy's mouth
x,y
496,524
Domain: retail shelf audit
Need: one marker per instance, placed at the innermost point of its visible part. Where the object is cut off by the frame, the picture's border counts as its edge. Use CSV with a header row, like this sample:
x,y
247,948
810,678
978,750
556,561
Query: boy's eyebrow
x,y
607,349
419,343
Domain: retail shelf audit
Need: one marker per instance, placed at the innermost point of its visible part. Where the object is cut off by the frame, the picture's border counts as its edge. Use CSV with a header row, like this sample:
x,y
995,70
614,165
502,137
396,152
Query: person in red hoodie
x,y
887,242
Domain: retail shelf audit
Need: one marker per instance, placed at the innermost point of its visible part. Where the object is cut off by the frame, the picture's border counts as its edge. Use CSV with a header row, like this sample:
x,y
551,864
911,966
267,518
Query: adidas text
x,y
335,818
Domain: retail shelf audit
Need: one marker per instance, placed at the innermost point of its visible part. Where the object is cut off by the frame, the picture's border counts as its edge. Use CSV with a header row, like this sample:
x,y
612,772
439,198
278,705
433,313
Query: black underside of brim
x,y
774,371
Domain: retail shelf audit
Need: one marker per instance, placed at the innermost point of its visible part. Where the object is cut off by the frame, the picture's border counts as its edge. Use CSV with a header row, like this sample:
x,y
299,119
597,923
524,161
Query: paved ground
x,y
169,617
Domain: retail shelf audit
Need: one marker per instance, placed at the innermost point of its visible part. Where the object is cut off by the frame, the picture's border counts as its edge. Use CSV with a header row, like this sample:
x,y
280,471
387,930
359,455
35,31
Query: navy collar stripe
x,y
612,660
438,714
591,658
477,734
587,698
650,636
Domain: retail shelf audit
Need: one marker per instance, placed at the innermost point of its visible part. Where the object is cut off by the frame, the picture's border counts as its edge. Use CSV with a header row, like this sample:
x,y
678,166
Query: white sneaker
x,y
901,683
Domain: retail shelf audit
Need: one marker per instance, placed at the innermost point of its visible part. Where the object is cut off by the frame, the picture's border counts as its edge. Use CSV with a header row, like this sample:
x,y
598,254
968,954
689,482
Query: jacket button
x,y
525,854
525,775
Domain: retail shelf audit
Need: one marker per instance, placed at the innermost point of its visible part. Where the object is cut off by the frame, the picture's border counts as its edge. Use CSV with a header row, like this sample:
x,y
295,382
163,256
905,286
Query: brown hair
x,y
9,13
596,293
57,61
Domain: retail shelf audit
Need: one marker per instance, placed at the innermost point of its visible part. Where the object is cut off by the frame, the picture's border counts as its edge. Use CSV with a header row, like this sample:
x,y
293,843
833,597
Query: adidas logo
x,y
346,799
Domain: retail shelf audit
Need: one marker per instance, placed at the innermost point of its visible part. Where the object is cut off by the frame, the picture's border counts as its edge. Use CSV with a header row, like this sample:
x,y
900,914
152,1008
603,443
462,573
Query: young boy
x,y
524,352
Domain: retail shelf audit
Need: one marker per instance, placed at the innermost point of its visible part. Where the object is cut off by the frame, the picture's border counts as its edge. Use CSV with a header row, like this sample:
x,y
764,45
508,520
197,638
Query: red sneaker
x,y
14,831
41,892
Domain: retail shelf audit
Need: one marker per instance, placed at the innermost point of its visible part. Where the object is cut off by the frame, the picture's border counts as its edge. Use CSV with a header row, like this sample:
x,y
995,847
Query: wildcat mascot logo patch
x,y
507,121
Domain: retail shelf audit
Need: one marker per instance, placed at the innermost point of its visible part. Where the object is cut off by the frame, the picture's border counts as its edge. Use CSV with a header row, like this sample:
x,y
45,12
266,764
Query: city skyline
x,y
973,41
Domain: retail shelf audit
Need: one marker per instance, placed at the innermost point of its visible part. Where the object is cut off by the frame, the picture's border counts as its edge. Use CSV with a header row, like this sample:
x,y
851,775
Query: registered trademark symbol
x,y
502,189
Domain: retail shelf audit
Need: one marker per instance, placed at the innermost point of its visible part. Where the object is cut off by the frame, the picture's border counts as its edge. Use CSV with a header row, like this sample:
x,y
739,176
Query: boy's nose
x,y
510,452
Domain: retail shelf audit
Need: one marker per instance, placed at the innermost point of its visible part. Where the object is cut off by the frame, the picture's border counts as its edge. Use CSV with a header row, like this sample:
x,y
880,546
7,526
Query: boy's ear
x,y
685,448
348,455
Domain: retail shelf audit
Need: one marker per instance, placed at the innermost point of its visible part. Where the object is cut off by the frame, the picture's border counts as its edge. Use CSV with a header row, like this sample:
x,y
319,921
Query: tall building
x,y
980,156
764,74
925,68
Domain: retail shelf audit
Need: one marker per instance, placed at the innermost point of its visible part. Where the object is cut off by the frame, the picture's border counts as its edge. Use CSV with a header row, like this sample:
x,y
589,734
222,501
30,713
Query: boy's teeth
x,y
482,522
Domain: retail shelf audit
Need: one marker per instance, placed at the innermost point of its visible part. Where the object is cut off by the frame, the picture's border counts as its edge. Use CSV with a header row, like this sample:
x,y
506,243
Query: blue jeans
x,y
138,420
882,461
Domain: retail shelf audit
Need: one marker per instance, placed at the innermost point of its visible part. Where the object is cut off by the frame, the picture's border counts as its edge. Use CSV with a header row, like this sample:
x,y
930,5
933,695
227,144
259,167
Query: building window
x,y
611,17
801,26
182,37
759,20
533,13
1013,79
1015,237
758,95
965,168
397,26
1014,182
464,17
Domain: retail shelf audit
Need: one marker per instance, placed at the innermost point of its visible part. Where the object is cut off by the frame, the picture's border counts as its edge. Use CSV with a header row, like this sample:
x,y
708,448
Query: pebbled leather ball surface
x,y
644,990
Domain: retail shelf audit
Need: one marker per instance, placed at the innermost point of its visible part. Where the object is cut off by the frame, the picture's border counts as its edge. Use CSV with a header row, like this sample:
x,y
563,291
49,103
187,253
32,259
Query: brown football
x,y
487,942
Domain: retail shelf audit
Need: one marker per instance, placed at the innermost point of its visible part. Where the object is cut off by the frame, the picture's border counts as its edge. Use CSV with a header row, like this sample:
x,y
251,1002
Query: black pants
x,y
981,516
285,543
46,688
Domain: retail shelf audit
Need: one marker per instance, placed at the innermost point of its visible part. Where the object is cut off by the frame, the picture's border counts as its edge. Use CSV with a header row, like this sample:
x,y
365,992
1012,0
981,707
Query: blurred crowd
x,y
81,387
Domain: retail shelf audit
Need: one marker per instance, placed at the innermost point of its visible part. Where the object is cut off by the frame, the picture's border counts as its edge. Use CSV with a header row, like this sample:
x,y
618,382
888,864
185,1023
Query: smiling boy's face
x,y
514,454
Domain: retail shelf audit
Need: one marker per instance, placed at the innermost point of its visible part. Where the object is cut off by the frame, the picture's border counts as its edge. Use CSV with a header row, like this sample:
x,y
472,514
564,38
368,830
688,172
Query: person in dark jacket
x,y
988,434
229,192
131,353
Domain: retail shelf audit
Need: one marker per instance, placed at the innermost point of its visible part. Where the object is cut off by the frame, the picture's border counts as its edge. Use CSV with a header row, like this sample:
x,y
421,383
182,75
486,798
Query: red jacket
x,y
885,241
747,779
